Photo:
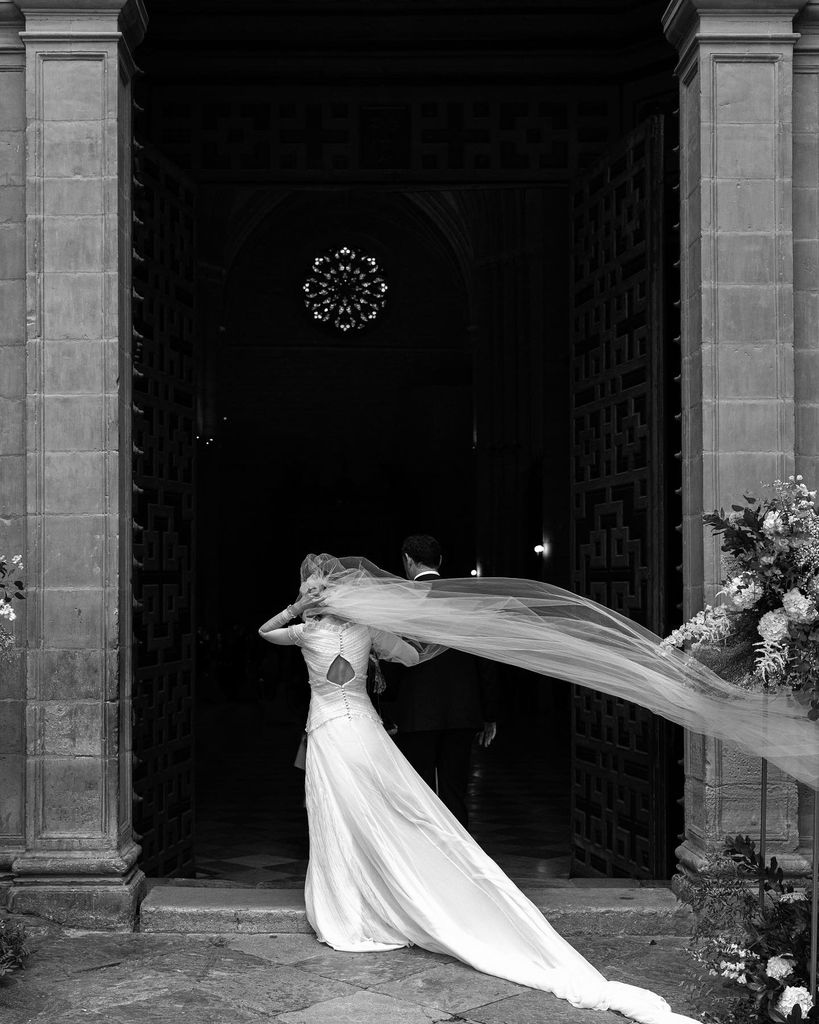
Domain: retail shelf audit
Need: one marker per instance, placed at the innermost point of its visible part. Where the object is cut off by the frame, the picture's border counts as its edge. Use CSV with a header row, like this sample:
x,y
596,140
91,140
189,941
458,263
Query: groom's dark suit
x,y
438,707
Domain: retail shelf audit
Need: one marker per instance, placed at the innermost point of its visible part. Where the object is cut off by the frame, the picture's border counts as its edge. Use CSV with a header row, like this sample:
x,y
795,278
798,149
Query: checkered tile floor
x,y
251,827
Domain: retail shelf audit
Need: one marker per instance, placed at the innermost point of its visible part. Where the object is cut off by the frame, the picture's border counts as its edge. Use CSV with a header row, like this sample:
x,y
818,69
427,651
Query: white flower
x,y
799,608
6,611
706,627
773,523
734,971
16,560
797,896
779,967
743,591
773,626
794,995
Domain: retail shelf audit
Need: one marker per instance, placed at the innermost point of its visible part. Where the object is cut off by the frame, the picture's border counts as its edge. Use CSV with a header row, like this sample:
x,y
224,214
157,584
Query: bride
x,y
389,864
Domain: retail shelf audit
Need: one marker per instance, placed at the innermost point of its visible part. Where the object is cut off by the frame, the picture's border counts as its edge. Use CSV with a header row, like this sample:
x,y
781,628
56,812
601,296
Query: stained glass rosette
x,y
345,289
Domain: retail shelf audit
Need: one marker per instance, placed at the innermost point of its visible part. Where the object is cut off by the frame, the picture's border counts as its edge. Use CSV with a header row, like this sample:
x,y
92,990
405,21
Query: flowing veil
x,y
558,634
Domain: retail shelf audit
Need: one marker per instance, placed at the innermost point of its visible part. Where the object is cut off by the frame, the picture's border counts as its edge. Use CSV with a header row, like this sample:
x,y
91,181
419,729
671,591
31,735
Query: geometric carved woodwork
x,y
617,487
163,472
505,134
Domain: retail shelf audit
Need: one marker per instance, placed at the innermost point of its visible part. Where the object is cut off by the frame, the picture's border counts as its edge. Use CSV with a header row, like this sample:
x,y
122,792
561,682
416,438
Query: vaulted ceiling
x,y
378,39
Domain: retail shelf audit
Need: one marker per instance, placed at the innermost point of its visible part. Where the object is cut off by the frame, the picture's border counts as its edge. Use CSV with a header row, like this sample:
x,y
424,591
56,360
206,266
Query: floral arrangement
x,y
13,948
11,589
762,950
766,634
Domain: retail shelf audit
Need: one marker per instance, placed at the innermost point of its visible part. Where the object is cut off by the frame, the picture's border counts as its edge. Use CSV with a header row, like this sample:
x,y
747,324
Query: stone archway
x,y
748,112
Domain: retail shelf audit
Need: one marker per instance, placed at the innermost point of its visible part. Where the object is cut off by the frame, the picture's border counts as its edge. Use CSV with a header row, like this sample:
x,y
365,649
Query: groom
x,y
442,704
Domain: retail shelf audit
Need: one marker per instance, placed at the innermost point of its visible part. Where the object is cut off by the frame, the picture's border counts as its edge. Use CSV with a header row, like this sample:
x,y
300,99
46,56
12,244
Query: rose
x,y
773,626
794,995
779,967
799,608
773,523
743,591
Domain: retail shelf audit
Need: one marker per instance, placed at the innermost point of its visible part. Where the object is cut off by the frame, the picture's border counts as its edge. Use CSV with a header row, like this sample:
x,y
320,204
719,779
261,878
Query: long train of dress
x,y
390,866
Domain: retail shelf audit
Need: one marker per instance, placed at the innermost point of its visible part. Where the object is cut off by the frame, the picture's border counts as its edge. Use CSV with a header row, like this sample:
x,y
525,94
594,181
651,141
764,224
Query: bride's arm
x,y
392,648
281,637
292,611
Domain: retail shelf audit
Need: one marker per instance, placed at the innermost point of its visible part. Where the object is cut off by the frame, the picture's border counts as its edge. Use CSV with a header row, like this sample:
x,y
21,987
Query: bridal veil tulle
x,y
558,634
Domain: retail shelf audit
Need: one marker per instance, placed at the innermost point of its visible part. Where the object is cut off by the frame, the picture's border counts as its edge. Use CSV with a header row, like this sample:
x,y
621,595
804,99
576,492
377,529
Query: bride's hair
x,y
315,569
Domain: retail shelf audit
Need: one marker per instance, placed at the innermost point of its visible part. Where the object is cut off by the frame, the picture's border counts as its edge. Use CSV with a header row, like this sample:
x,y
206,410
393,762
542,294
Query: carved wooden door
x,y
163,468
624,759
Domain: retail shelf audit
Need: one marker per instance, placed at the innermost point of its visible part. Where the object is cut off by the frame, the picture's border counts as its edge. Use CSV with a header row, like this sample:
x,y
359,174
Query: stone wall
x,y
12,412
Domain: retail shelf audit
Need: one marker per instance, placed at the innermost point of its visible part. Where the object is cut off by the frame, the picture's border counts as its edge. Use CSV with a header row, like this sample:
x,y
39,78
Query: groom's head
x,y
420,552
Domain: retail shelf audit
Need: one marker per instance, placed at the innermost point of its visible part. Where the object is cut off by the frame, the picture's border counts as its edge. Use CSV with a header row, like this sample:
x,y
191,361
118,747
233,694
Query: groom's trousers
x,y
442,759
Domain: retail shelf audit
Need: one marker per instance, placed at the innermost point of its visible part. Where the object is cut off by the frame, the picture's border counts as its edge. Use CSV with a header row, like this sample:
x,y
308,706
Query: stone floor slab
x,y
376,969
537,1008
452,987
272,990
287,948
366,1008
187,1007
659,964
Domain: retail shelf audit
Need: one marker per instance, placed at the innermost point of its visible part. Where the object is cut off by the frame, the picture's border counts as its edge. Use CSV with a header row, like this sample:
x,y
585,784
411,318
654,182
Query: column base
x,y
80,890
692,860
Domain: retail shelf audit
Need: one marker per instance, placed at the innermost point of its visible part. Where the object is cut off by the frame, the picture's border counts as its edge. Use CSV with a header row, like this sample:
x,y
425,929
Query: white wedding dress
x,y
389,864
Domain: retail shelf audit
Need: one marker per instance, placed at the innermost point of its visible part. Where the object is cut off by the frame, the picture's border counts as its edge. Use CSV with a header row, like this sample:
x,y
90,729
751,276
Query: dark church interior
x,y
511,169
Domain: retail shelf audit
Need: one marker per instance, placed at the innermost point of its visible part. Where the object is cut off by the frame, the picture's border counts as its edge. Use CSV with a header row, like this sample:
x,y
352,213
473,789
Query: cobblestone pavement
x,y
239,979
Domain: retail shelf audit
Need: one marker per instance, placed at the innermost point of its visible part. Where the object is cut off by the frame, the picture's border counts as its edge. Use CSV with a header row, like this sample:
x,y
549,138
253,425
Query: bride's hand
x,y
309,602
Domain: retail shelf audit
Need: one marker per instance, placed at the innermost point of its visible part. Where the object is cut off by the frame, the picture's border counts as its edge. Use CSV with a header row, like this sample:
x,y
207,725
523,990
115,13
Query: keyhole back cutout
x,y
341,671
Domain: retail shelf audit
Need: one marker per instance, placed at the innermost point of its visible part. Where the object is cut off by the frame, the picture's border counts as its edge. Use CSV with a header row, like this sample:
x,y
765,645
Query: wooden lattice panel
x,y
164,447
617,489
505,134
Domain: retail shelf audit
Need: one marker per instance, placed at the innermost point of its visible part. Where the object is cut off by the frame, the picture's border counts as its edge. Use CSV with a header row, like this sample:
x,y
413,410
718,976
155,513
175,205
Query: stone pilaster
x,y
736,147
12,413
806,285
79,864
806,241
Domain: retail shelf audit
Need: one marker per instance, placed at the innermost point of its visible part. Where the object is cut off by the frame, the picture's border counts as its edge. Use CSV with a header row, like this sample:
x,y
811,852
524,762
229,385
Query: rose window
x,y
345,289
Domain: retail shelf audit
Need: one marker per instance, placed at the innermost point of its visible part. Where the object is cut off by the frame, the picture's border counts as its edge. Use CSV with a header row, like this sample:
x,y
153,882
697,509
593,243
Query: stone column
x,y
806,241
12,415
806,285
80,860
736,145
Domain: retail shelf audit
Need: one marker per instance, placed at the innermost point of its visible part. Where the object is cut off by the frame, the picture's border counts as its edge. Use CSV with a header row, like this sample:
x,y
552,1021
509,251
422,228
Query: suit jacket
x,y
453,691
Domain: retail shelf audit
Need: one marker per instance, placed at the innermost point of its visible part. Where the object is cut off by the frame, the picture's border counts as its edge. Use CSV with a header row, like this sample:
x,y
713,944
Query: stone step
x,y
585,910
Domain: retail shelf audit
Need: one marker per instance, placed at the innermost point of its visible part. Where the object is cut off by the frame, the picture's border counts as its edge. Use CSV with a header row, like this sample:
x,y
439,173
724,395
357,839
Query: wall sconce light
x,y
543,549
